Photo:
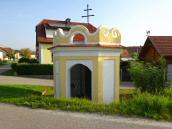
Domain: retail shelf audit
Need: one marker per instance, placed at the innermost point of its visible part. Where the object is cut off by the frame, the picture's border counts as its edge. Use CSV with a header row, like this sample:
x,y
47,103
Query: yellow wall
x,y
97,75
46,54
103,34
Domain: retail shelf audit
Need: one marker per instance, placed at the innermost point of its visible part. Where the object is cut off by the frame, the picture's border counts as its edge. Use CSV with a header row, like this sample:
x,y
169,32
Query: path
x,y
4,68
13,117
24,80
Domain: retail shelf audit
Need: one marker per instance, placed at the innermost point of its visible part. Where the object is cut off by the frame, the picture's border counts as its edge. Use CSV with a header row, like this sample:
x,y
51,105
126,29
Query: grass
x,y
25,95
132,102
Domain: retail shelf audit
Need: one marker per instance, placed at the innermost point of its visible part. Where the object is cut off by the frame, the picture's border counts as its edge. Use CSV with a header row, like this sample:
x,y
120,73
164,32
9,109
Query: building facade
x,y
88,67
156,47
44,36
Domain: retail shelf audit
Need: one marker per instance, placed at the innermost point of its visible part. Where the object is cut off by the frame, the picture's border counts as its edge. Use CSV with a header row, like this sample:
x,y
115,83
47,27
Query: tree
x,y
25,52
149,77
10,54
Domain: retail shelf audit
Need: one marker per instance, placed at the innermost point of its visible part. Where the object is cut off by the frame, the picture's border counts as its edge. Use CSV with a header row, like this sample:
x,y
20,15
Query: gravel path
x,y
13,117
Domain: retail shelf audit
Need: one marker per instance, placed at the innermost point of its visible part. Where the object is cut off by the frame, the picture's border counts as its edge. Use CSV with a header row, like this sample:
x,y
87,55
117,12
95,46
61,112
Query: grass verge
x,y
30,96
132,103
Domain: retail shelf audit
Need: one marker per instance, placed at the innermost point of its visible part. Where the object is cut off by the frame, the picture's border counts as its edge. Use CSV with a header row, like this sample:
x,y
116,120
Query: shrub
x,y
148,76
147,105
27,60
33,69
3,61
13,66
33,61
23,60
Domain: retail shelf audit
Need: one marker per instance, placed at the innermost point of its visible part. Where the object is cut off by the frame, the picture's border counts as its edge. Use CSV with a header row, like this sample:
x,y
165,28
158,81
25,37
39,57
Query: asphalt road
x,y
4,68
25,80
12,117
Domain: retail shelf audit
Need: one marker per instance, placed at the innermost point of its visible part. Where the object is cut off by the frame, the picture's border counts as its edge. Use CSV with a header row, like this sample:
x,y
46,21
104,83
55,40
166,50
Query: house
x,y
88,67
3,53
128,51
33,56
44,36
126,57
156,47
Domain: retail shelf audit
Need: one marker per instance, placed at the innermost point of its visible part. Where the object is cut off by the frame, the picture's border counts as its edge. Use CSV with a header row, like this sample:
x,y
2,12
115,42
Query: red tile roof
x,y
163,44
89,45
52,24
7,50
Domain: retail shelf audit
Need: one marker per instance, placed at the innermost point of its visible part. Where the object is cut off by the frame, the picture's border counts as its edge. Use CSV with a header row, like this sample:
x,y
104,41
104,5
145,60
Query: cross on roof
x,y
88,15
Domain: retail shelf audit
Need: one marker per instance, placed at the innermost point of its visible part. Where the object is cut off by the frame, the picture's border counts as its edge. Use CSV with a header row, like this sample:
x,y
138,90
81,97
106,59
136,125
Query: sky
x,y
133,18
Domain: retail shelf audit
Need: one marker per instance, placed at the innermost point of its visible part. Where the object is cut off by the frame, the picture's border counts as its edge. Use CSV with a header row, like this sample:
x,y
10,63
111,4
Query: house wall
x,y
1,55
149,53
49,33
45,55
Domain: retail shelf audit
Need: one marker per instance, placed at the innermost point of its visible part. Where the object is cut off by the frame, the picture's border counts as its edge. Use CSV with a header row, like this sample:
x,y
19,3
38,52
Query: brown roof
x,y
128,51
7,50
89,45
163,44
53,24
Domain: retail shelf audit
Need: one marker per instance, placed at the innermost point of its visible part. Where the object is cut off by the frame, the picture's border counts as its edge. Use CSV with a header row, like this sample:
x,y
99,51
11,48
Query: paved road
x,y
24,80
13,117
43,82
4,68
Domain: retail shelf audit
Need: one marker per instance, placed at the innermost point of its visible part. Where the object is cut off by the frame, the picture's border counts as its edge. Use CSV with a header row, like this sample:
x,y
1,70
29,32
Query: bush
x,y
147,105
27,60
3,62
33,69
13,66
148,76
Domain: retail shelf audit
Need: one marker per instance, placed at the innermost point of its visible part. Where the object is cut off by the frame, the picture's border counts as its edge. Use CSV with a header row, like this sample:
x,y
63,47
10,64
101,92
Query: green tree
x,y
25,52
11,54
149,77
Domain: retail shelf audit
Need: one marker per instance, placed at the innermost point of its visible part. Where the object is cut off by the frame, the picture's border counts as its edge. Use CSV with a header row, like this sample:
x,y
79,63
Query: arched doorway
x,y
80,83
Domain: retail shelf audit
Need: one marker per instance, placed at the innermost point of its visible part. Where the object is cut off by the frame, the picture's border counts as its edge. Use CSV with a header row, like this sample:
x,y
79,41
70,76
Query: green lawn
x,y
132,102
31,96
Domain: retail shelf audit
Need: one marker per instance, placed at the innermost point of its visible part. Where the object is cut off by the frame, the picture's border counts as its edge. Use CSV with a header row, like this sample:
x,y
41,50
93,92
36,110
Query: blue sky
x,y
131,17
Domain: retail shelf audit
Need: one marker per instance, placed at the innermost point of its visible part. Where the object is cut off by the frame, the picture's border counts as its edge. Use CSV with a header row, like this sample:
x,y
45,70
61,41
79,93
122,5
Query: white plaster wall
x,y
169,71
108,81
40,54
49,33
1,55
57,79
87,53
69,65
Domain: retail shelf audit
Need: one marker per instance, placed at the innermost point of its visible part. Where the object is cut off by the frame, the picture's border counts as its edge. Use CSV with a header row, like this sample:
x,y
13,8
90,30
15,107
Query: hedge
x,y
27,60
33,69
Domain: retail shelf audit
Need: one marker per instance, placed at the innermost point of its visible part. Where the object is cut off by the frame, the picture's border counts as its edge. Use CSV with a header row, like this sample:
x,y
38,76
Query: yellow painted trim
x,y
102,34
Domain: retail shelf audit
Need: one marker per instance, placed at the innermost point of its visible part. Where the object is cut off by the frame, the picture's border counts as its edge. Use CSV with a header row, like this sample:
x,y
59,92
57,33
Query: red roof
x,y
88,45
128,51
7,50
163,44
55,24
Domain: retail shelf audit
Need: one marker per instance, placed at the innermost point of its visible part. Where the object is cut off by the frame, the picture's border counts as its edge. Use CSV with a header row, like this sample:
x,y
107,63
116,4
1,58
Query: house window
x,y
78,39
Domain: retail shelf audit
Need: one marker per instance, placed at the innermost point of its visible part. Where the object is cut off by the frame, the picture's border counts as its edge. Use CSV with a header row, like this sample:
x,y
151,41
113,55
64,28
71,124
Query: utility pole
x,y
88,15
